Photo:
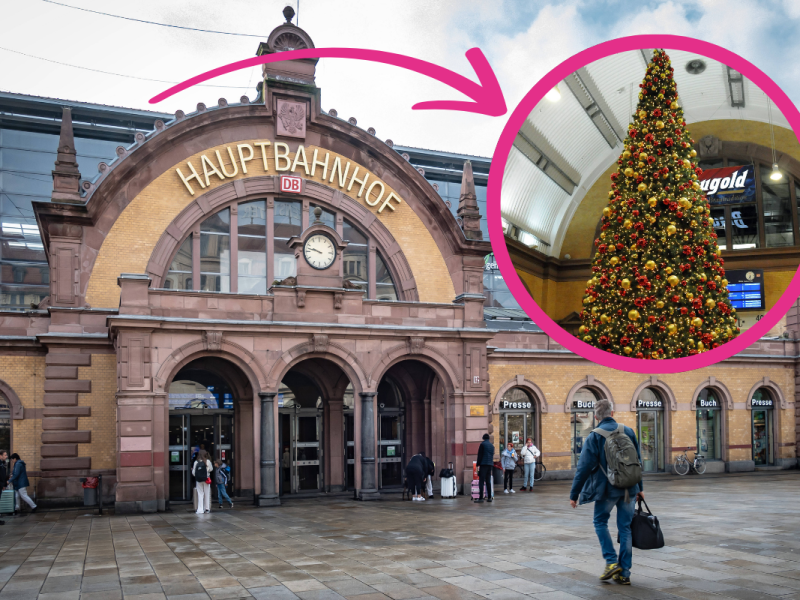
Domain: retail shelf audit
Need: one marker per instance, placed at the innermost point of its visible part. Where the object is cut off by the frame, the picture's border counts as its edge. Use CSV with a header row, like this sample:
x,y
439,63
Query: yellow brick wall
x,y
555,381
103,422
132,238
25,375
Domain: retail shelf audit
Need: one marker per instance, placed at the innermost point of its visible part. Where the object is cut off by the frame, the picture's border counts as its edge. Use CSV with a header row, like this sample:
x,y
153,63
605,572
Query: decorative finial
x,y
317,214
288,12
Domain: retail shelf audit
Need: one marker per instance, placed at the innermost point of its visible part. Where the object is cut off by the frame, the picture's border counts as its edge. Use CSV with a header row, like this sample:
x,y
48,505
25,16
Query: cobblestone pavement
x,y
730,537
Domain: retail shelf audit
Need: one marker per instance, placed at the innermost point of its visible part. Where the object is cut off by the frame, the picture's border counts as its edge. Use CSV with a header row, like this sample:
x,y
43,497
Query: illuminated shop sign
x,y
649,404
512,405
708,403
761,403
729,185
336,170
746,289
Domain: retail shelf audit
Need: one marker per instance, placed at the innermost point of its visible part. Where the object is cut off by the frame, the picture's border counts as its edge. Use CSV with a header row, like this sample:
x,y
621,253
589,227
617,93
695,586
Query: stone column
x,y
334,478
369,485
268,496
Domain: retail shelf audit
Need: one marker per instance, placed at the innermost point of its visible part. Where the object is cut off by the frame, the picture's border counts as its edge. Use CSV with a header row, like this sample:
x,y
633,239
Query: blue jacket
x,y
508,459
590,483
485,453
19,476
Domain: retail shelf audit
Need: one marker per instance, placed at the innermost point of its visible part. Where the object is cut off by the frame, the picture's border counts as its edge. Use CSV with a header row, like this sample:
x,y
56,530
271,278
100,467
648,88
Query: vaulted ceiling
x,y
566,144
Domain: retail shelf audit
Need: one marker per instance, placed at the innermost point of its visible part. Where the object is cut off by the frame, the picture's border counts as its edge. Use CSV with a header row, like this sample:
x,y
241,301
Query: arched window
x,y
234,249
709,424
581,419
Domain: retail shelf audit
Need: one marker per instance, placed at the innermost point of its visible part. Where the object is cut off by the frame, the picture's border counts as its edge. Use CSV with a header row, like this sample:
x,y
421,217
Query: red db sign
x,y
291,184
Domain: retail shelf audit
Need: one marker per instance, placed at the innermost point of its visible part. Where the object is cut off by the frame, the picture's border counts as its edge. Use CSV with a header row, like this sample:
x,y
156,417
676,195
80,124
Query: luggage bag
x,y
447,479
7,502
645,529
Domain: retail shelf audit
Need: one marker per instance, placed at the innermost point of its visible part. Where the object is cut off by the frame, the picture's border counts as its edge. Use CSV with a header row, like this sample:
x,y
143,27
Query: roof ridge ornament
x,y
468,210
66,176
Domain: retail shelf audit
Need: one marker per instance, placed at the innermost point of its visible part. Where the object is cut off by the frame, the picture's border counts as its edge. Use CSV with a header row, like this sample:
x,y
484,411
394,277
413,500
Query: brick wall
x,y
25,375
132,238
103,420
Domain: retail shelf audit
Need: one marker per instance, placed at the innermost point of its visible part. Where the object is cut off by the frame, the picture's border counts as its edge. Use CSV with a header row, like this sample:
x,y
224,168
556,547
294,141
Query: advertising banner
x,y
729,185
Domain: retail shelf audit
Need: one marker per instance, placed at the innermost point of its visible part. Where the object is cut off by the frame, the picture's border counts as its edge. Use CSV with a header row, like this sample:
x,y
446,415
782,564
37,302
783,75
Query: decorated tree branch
x,y
658,287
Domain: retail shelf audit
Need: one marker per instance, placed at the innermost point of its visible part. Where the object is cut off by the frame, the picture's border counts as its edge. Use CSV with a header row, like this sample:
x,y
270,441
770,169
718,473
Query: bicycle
x,y
682,463
538,471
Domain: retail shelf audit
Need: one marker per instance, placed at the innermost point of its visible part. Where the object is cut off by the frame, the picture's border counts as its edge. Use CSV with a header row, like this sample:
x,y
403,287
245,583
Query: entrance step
x,y
769,468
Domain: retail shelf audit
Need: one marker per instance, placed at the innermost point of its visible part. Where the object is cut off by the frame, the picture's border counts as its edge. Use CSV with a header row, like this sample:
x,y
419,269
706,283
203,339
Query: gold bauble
x,y
703,277
595,310
659,304
674,105
693,153
587,338
625,283
642,156
640,165
673,280
684,203
710,304
627,224
582,329
686,163
587,300
650,265
628,172
728,331
606,212
717,277
693,223
627,349
689,296
724,283
652,201
675,155
668,270
614,260
697,322
626,155
672,328
695,186
642,187
604,318
659,124
671,230
642,114
700,346
633,315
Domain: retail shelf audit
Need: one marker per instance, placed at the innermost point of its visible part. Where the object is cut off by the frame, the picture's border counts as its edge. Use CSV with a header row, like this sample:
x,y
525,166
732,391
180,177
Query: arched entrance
x,y
316,429
411,420
210,405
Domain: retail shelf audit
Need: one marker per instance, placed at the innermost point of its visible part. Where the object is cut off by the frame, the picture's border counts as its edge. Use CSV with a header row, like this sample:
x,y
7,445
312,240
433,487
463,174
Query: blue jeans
x,y
221,493
602,511
527,479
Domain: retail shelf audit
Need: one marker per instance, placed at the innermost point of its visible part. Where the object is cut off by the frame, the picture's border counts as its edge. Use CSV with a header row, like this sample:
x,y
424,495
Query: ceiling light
x,y
776,175
553,95
696,66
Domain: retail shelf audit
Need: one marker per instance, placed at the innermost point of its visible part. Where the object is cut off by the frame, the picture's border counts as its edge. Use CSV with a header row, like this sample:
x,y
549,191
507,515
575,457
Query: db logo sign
x,y
291,184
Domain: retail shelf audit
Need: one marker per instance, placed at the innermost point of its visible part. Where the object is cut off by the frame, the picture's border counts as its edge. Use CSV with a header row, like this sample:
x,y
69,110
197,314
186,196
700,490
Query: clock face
x,y
319,251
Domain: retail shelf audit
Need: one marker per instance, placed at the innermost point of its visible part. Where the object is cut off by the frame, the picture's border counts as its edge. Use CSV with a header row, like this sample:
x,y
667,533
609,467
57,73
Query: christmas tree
x,y
658,287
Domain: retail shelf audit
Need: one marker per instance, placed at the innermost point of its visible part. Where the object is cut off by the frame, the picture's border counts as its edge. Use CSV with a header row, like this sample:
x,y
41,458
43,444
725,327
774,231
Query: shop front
x,y
650,429
517,418
581,420
709,416
762,411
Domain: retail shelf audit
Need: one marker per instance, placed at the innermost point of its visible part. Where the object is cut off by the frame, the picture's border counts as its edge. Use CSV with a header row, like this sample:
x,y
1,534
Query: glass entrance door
x,y
762,438
189,432
349,451
391,449
515,428
650,440
301,457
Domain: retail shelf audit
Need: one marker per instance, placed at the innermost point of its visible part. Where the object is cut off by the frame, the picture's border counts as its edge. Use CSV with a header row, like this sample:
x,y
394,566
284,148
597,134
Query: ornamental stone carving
x,y
212,340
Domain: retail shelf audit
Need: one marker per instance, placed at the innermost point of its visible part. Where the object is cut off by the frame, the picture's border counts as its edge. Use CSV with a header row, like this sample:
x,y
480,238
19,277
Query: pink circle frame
x,y
500,157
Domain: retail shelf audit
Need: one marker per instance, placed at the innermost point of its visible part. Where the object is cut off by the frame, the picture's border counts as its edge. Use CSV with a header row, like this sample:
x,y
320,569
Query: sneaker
x,y
208,511
477,500
522,489
220,506
421,498
621,580
610,571
33,510
231,505
530,489
512,491
490,499
505,491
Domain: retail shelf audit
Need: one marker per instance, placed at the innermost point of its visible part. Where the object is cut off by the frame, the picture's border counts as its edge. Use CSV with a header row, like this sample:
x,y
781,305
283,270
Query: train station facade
x,y
275,284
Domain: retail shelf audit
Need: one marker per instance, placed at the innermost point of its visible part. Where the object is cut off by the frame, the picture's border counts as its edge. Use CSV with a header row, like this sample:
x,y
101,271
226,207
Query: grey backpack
x,y
624,467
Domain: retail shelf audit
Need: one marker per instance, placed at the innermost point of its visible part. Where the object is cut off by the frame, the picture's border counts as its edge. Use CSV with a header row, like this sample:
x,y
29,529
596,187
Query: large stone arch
x,y
423,353
593,384
318,348
234,353
17,411
257,187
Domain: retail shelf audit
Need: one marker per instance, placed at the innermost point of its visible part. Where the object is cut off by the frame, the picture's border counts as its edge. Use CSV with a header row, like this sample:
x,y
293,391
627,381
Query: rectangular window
x,y
215,252
179,276
288,223
744,227
384,286
708,434
355,256
327,217
777,210
252,247
718,216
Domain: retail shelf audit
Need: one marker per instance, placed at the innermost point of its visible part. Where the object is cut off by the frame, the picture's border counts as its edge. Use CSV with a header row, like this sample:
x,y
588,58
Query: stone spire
x,y
66,176
468,206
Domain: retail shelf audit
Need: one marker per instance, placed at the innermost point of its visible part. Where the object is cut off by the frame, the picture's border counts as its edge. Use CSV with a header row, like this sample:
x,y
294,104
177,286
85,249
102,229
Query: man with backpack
x,y
609,474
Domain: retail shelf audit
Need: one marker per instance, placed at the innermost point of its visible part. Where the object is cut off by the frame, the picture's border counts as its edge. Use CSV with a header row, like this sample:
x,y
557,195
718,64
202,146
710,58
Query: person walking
x,y
221,479
591,484
19,479
485,465
201,471
528,454
508,460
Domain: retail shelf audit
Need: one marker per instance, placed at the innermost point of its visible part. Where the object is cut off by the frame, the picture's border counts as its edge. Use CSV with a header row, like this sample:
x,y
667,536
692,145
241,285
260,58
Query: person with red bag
x,y
201,471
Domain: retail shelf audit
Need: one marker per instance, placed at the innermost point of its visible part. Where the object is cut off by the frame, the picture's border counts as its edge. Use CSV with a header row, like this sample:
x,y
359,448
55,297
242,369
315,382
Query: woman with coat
x,y
508,459
201,471
19,479
528,455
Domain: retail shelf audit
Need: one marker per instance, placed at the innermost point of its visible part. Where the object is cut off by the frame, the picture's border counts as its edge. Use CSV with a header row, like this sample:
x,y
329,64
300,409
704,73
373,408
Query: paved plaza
x,y
727,537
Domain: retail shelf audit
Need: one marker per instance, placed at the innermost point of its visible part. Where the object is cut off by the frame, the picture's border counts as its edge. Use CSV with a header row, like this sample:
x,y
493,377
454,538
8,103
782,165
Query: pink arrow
x,y
487,96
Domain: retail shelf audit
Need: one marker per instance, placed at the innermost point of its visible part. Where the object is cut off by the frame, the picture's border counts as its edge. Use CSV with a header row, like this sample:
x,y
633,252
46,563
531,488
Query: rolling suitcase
x,y
7,502
448,486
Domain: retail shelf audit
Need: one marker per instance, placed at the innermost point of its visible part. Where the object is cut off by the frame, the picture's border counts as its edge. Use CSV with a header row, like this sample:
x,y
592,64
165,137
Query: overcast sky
x,y
522,40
